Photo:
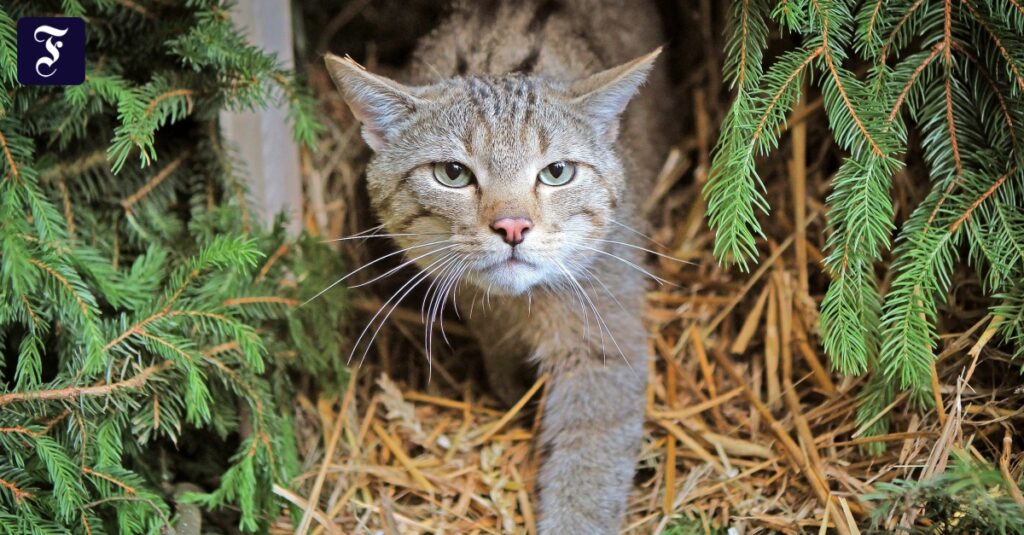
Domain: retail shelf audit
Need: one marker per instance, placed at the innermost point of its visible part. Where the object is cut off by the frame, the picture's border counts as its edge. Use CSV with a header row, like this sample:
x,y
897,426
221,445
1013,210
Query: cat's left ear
x,y
604,96
378,103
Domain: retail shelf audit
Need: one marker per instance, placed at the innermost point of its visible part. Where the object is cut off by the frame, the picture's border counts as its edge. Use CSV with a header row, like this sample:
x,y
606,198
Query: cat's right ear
x,y
604,96
378,103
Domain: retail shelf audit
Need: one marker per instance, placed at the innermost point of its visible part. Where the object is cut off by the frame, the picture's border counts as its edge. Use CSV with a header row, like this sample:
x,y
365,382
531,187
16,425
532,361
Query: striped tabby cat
x,y
509,167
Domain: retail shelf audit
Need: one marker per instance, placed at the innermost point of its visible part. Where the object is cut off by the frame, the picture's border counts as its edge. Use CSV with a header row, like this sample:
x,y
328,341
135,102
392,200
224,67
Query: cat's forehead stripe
x,y
508,97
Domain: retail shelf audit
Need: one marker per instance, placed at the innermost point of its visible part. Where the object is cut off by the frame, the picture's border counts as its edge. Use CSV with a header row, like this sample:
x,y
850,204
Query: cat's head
x,y
511,181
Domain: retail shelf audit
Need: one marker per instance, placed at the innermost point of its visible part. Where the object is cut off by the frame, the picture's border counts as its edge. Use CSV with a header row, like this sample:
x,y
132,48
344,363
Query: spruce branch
x,y
10,158
162,175
255,299
19,494
870,34
34,321
914,77
173,93
955,67
744,49
950,120
19,430
277,255
977,202
137,381
996,91
779,98
898,34
107,477
1012,63
113,301
84,302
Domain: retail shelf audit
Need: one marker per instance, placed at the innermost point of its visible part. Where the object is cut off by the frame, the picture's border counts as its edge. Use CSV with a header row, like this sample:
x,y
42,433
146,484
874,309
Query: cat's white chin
x,y
512,277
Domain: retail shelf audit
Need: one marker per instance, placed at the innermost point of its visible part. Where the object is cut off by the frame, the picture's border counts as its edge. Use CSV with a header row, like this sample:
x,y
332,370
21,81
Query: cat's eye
x,y
453,174
557,174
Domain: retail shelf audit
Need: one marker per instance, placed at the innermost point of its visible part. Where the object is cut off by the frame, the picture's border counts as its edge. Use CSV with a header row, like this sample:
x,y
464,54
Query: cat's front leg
x,y
592,425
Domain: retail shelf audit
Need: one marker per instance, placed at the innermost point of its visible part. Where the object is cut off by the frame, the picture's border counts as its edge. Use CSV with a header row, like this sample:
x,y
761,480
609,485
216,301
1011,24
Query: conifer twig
x,y
782,89
883,55
32,316
10,157
995,90
19,430
99,390
130,201
60,171
69,216
839,85
134,329
187,93
63,281
744,31
272,299
136,8
19,495
124,486
1017,76
874,18
992,189
913,78
947,54
280,252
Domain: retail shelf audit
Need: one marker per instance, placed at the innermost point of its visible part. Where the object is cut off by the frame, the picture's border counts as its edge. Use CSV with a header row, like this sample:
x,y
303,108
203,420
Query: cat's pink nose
x,y
512,229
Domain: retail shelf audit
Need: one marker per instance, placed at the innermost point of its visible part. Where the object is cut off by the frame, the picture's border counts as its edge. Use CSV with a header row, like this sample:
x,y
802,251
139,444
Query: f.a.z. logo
x,y
51,50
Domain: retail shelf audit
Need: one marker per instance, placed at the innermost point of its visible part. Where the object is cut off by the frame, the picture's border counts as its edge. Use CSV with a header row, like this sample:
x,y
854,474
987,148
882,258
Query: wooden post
x,y
263,139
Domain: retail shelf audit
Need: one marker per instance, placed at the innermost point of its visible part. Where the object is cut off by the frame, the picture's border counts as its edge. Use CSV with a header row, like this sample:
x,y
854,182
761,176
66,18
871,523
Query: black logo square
x,y
51,50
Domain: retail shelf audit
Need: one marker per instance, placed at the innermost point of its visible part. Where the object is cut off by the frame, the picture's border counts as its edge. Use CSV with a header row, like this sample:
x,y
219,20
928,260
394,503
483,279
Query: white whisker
x,y
637,247
455,293
641,234
409,286
579,297
472,305
370,231
368,264
399,235
590,273
441,279
590,279
452,286
403,265
426,296
598,315
631,264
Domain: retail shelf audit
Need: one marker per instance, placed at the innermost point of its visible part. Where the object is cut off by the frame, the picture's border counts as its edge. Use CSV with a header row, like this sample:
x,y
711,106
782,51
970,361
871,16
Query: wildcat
x,y
508,165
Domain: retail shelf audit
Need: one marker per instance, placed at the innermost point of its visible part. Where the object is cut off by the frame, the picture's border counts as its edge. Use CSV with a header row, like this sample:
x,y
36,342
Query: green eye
x,y
453,174
557,174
